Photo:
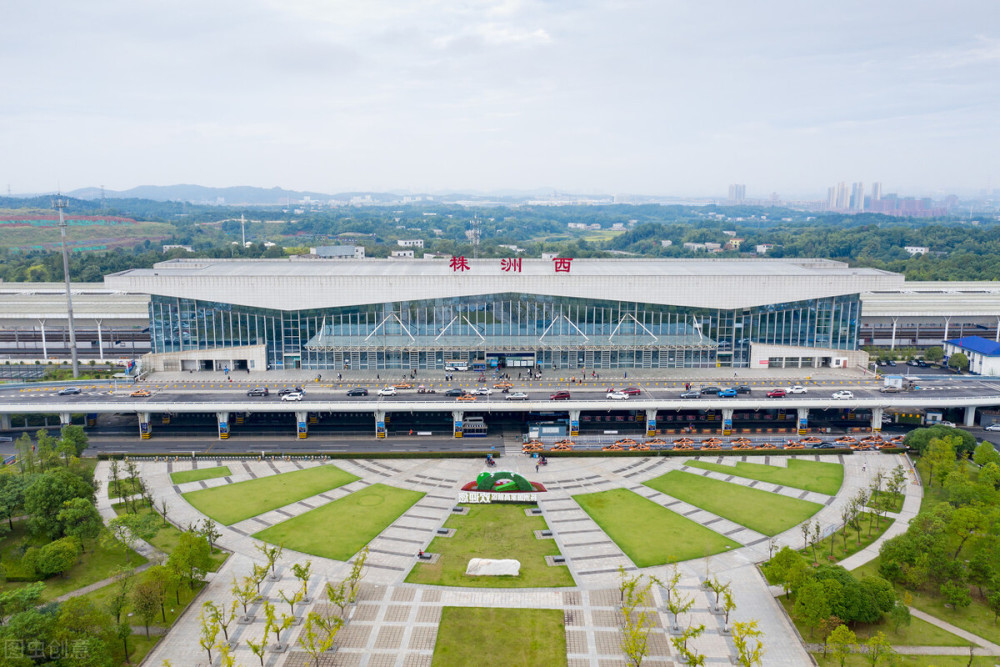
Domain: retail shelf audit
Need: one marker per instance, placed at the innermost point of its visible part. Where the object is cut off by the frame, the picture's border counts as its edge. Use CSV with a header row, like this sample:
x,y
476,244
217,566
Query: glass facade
x,y
511,330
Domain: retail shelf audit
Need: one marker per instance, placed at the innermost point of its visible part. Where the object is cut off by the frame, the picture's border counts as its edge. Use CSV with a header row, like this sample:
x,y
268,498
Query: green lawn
x,y
126,487
96,563
343,527
474,636
233,503
917,633
169,535
493,531
832,548
767,513
199,474
911,661
819,476
648,533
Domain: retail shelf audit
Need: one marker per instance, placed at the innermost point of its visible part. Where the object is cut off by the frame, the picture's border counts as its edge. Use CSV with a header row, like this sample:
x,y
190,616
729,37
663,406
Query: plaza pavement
x,y
395,623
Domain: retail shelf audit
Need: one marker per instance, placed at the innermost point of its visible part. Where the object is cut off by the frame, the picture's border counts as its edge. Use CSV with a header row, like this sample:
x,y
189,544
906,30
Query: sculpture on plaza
x,y
503,481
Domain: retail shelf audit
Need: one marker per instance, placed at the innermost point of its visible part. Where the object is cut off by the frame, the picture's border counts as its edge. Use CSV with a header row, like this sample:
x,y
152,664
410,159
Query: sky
x,y
657,97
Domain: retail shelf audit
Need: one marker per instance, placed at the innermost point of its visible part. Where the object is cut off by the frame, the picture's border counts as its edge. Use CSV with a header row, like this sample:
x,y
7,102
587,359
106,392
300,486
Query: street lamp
x,y
61,204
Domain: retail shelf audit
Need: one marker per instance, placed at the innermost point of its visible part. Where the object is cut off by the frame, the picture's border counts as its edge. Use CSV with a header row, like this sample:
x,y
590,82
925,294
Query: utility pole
x,y
61,204
243,228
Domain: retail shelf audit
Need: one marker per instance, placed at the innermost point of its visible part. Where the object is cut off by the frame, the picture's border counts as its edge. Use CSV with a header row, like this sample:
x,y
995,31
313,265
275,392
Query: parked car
x,y
140,393
560,396
923,364
912,362
797,389
993,427
743,389
777,393
455,391
728,393
258,391
357,391
293,396
691,394
843,393
632,391
516,396
617,396
892,363
69,391
944,423
387,391
710,390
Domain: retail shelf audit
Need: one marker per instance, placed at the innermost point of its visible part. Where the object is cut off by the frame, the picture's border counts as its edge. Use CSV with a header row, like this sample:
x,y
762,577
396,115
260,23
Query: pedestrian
x,y
377,378
626,375
863,466
734,374
536,467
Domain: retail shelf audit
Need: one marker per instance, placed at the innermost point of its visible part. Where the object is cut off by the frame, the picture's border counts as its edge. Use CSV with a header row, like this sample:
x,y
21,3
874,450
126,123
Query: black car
x,y
258,391
455,391
711,390
742,389
691,394
892,363
289,390
922,363
357,391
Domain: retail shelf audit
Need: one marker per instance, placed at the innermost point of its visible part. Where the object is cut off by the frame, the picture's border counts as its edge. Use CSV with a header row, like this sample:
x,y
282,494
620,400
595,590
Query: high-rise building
x,y
858,196
843,198
737,193
876,191
831,198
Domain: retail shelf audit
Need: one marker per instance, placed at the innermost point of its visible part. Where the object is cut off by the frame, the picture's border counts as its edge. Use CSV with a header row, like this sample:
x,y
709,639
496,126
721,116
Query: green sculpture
x,y
502,481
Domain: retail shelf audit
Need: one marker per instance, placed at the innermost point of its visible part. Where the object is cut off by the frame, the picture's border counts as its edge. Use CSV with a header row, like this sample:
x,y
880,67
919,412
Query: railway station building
x,y
520,314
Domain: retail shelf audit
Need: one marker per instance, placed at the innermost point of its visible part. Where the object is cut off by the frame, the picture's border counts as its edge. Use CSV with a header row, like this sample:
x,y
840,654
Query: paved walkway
x,y
988,646
396,623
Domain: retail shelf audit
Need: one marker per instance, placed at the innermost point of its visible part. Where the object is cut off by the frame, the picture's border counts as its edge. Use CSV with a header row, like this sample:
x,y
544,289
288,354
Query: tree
x,y
291,600
80,519
12,488
357,572
728,605
900,616
58,556
958,361
45,497
986,453
259,647
939,459
208,631
87,631
116,480
210,532
26,454
147,598
245,592
259,574
124,581
271,554
956,594
749,647
919,439
163,511
75,436
636,617
686,652
47,456
16,600
933,354
127,530
160,576
301,573
879,650
812,604
315,638
221,615
191,556
843,642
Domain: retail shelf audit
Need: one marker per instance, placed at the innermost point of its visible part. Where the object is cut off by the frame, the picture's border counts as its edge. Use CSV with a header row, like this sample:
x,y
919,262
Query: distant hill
x,y
199,194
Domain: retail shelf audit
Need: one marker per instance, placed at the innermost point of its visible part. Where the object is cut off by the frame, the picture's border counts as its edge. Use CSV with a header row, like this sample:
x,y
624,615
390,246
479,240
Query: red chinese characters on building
x,y
511,264
562,264
459,264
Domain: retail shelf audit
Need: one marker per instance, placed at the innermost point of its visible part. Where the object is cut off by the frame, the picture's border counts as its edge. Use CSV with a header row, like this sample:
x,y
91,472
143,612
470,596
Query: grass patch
x,y
818,476
126,487
358,518
917,633
649,533
766,513
492,531
893,501
522,636
168,536
233,503
198,475
102,596
860,660
96,563
832,548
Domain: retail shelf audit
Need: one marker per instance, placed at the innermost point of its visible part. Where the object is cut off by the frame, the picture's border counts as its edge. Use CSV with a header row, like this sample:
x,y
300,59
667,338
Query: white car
x,y
843,393
944,423
993,427
797,389
482,391
457,367
517,396
294,396
617,396
387,391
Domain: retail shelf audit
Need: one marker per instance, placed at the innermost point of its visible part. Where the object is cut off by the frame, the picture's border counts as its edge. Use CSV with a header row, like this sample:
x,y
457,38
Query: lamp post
x,y
61,204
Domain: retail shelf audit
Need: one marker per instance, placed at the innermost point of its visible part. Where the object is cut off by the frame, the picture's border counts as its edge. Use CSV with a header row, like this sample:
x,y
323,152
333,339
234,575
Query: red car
x,y
777,393
632,391
559,396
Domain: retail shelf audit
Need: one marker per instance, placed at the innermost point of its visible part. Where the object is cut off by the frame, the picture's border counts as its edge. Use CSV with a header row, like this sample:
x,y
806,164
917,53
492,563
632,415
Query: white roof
x,y
288,284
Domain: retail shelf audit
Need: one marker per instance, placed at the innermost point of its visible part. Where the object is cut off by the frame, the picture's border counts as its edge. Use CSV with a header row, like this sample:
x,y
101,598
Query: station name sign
x,y
480,498
510,264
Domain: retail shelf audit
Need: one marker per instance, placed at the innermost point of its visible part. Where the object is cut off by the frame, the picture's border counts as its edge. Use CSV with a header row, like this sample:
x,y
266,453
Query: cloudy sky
x,y
641,96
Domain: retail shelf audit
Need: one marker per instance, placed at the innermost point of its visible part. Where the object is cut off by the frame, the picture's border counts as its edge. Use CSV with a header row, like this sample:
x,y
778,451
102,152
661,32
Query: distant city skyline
x,y
636,97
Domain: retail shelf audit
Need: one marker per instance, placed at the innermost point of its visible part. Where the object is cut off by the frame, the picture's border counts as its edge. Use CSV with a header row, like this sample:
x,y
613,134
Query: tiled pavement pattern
x,y
396,623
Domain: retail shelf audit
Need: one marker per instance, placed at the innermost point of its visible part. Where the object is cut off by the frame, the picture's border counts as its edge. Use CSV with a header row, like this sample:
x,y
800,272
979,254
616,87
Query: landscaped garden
x,y
648,533
818,476
473,636
493,531
764,512
233,503
343,527
861,660
201,474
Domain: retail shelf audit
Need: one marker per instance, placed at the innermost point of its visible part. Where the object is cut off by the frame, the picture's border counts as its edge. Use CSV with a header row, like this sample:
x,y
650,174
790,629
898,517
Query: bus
x,y
473,427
